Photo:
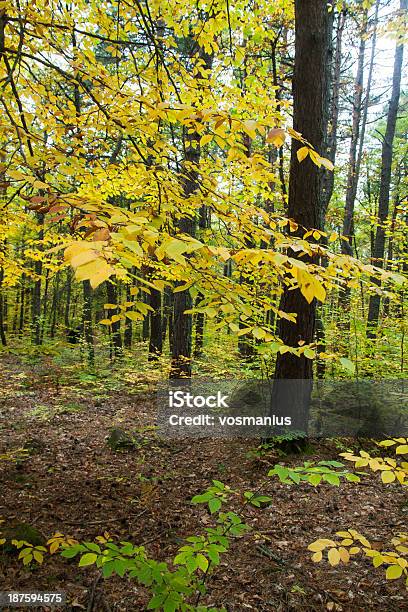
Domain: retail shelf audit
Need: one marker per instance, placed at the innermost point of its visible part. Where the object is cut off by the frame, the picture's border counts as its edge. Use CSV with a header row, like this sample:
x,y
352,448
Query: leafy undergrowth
x,y
68,480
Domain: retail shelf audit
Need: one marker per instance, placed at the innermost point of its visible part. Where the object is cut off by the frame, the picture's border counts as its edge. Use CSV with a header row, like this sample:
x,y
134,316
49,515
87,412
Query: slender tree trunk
x,y
127,336
68,300
352,177
385,183
36,293
116,338
3,338
22,306
54,308
87,322
156,336
331,137
45,304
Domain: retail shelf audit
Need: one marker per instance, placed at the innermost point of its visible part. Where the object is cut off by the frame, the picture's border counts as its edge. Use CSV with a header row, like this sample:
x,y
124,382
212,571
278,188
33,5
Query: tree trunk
x,y
182,301
127,336
385,183
331,136
116,338
36,294
156,336
310,101
87,322
352,176
3,338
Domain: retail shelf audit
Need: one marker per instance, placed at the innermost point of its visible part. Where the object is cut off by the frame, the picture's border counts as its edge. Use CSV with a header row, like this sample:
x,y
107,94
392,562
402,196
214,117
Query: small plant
x,y
391,469
351,543
29,552
314,473
172,589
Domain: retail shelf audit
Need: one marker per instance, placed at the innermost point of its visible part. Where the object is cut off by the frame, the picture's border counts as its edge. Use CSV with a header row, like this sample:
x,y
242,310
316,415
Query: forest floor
x,y
72,482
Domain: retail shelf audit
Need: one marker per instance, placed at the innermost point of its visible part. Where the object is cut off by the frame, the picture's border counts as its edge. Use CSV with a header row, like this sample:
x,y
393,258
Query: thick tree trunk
x,y
313,23
385,183
182,301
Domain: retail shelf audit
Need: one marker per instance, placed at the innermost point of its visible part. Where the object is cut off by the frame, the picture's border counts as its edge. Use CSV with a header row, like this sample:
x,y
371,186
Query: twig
x,y
91,593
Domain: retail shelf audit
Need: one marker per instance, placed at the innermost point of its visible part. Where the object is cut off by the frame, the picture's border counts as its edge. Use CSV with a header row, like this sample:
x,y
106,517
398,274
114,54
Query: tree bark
x,y
385,183
87,322
352,176
36,293
310,102
182,301
156,336
116,338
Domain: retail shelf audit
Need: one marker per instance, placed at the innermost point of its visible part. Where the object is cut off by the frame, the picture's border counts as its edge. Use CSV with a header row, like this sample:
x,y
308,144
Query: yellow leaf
x,y
206,139
105,322
333,556
249,127
38,556
344,555
40,185
83,258
302,153
326,163
110,306
387,477
402,450
393,572
317,556
134,316
276,136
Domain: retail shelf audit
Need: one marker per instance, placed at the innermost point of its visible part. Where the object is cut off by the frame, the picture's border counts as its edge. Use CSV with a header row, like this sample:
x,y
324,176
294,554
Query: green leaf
x,y
191,564
347,364
93,546
314,479
214,504
108,569
202,562
120,566
203,498
332,479
352,477
71,552
87,559
156,601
